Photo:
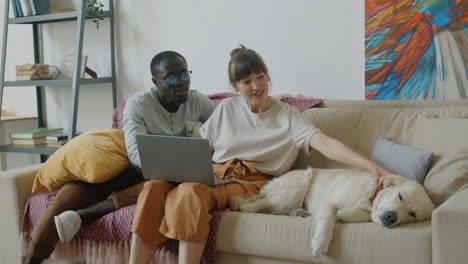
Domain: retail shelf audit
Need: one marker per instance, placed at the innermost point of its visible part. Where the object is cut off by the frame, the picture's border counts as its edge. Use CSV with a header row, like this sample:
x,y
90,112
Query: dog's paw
x,y
352,215
301,212
341,214
235,202
319,245
248,208
364,204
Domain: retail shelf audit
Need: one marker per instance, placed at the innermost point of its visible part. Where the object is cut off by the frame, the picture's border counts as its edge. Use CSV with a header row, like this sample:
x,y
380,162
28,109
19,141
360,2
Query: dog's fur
x,y
342,194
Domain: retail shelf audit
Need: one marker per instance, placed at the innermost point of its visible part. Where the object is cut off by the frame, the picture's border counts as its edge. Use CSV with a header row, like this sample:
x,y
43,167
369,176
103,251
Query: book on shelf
x,y
33,7
60,139
18,7
32,72
45,76
32,67
60,10
14,8
26,7
54,142
35,133
28,141
42,7
57,137
53,145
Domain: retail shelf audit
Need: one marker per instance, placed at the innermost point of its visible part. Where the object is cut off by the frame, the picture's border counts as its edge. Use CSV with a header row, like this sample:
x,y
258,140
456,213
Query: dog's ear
x,y
390,180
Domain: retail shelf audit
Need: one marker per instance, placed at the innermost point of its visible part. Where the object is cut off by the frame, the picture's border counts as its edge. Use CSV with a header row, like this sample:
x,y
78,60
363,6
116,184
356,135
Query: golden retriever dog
x,y
347,195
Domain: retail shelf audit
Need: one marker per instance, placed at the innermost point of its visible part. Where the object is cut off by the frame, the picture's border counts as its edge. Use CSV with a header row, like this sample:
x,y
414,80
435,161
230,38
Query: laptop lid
x,y
175,159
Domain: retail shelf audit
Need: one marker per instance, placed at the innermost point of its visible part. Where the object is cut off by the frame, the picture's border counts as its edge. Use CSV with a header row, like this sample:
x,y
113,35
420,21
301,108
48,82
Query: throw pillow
x,y
448,139
406,161
93,157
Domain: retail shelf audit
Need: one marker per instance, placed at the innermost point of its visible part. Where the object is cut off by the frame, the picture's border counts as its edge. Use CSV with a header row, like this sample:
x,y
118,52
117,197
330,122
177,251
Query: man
x,y
161,110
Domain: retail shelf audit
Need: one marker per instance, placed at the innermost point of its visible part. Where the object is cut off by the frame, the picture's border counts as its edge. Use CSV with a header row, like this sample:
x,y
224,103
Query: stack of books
x,y
56,140
29,72
30,7
32,137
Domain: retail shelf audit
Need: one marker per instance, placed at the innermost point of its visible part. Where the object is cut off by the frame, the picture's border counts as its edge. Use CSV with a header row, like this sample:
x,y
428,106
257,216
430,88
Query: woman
x,y
254,137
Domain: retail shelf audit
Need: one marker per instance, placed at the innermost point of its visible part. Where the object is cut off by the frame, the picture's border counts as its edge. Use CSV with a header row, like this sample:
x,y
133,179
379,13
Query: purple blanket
x,y
114,227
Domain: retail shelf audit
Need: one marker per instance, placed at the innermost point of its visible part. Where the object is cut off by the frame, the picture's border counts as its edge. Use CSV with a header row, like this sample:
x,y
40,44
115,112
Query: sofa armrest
x,y
450,230
15,186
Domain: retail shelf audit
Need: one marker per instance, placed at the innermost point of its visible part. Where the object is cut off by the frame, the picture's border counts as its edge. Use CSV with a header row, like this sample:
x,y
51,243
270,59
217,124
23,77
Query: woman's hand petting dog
x,y
379,171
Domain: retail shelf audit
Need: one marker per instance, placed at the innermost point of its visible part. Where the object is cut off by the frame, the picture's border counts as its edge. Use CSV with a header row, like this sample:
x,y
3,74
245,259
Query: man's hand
x,y
50,201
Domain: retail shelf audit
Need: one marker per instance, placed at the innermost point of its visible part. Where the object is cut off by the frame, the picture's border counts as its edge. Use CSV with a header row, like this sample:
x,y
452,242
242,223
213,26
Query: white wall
x,y
312,47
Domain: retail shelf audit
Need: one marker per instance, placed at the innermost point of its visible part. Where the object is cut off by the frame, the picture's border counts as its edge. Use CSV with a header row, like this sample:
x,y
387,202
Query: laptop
x,y
176,159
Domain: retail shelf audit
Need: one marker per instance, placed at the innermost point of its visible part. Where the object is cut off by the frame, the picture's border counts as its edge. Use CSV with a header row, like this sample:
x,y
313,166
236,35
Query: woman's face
x,y
255,88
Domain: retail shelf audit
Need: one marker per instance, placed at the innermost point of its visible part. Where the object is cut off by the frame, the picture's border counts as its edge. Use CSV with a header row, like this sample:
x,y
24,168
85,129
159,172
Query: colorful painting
x,y
416,49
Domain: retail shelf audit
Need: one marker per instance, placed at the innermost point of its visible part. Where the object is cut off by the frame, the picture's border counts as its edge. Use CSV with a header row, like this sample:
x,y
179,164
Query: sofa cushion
x,y
289,238
406,161
448,139
93,157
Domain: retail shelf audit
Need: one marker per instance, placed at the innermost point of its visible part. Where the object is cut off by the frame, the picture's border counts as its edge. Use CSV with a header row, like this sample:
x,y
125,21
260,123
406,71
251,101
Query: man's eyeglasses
x,y
172,78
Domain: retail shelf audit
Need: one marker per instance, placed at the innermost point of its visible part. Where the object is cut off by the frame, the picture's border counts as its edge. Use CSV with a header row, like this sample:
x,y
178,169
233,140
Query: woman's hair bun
x,y
236,51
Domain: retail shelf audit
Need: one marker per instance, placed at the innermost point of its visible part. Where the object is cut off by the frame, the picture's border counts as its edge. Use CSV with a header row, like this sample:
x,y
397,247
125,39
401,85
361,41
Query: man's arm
x,y
133,124
206,107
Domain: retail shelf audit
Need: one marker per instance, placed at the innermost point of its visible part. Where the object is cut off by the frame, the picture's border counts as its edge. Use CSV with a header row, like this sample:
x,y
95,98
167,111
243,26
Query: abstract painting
x,y
416,49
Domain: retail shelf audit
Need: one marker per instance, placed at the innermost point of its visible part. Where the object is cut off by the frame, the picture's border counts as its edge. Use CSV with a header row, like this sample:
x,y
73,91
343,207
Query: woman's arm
x,y
336,150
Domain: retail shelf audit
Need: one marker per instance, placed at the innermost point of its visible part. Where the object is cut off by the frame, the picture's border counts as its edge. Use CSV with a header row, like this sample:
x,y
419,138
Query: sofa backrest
x,y
359,127
366,104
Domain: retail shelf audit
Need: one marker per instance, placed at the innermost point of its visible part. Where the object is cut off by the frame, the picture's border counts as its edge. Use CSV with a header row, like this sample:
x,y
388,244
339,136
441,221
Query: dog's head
x,y
401,201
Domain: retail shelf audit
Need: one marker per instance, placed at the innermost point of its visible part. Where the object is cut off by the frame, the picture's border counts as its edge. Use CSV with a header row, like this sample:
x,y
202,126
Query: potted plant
x,y
95,9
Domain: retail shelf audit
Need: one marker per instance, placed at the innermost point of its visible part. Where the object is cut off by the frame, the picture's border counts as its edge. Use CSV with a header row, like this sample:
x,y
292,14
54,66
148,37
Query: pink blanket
x,y
299,101
112,229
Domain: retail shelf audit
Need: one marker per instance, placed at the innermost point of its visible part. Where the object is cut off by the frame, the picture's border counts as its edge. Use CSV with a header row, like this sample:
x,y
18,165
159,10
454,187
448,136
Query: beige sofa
x,y
438,126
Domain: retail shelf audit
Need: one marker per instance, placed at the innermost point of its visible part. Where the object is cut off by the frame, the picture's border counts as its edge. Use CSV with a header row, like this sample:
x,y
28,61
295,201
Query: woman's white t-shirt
x,y
270,140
